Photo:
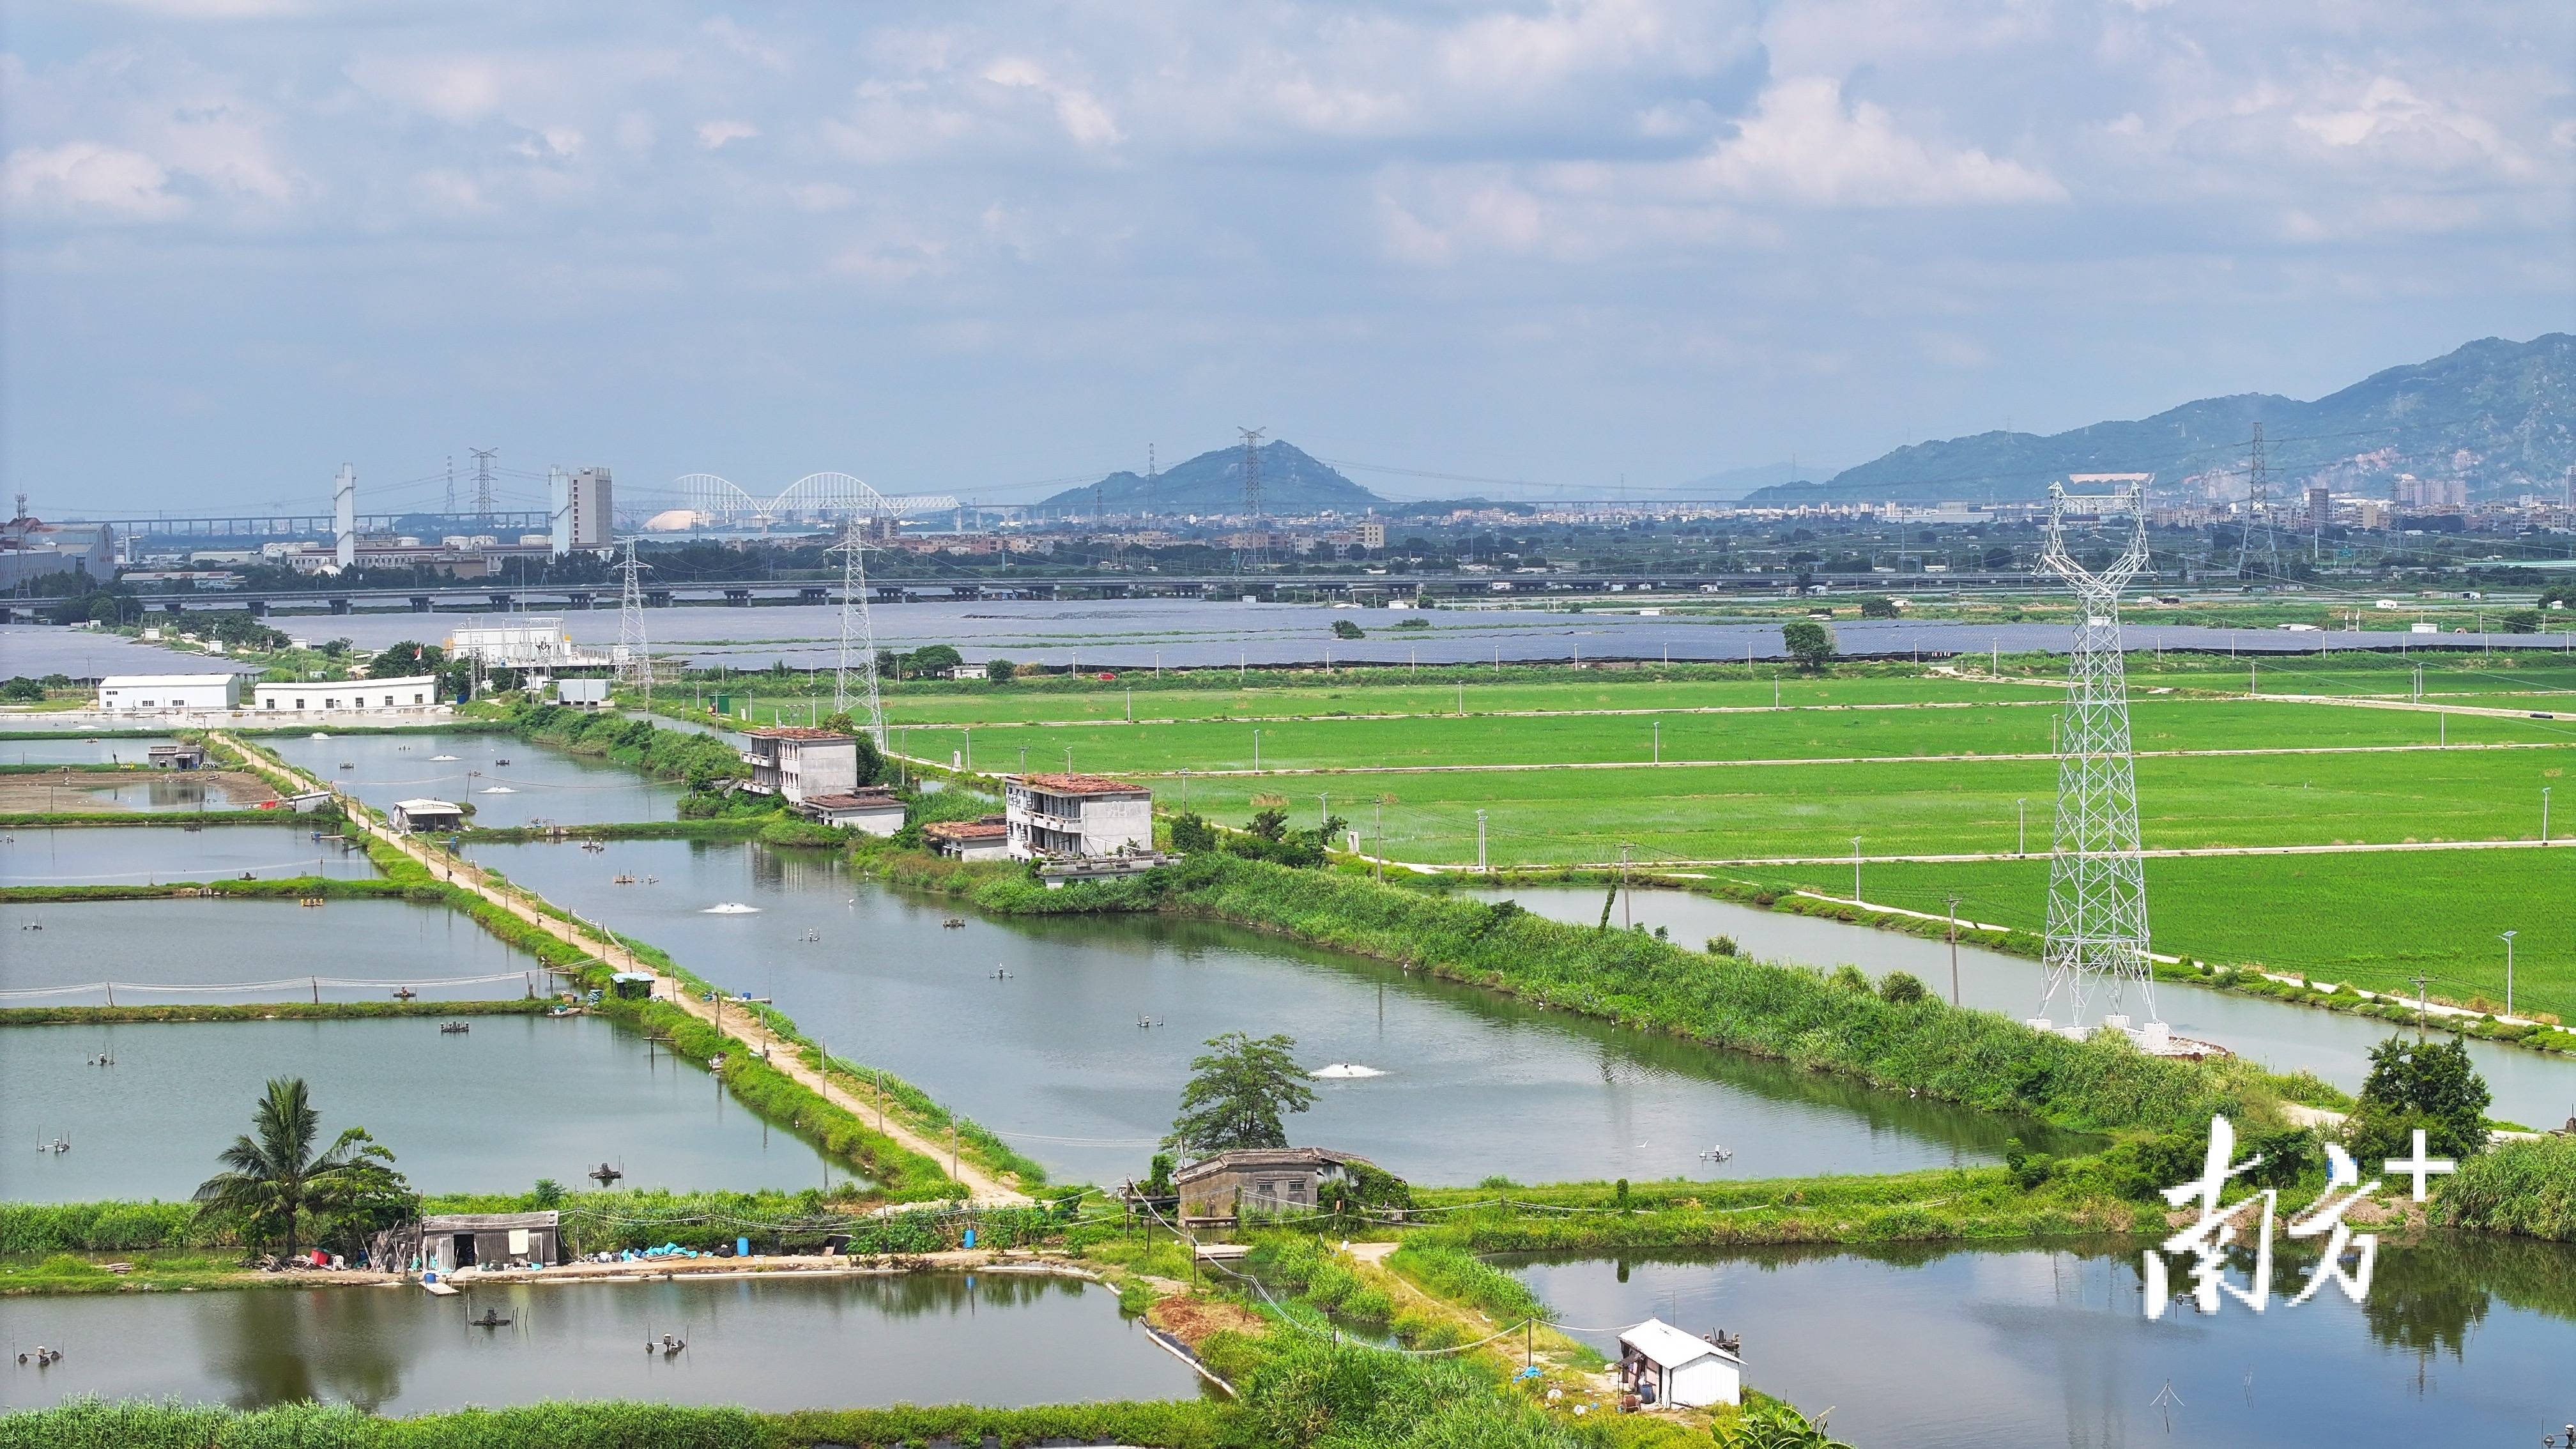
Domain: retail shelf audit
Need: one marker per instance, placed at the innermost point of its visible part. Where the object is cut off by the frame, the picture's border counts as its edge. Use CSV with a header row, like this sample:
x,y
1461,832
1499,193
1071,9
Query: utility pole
x,y
2507,938
2544,814
1627,909
1855,870
1480,843
1954,950
858,633
2021,827
1256,555
483,480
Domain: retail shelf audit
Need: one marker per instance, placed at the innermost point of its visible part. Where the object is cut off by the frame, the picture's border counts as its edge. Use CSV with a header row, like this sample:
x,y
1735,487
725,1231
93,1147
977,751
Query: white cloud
x,y
88,179
1802,143
2394,125
712,135
1080,112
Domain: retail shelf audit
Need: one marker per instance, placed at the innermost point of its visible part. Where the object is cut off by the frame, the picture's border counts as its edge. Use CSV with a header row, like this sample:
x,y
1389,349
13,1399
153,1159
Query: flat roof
x,y
399,682
426,807
796,732
1670,1347
1080,785
967,829
138,681
864,800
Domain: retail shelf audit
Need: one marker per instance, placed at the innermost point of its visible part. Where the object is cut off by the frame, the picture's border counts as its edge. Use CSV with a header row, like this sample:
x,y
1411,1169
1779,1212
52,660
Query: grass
x,y
2526,1187
1552,817
1791,734
2373,920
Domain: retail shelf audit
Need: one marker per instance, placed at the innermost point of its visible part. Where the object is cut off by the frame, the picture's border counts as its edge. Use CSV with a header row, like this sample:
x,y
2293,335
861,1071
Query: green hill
x,y
1291,483
2499,415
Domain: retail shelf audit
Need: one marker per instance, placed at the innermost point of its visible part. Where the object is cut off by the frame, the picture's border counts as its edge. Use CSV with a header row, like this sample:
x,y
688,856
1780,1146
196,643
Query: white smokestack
x,y
344,516
559,522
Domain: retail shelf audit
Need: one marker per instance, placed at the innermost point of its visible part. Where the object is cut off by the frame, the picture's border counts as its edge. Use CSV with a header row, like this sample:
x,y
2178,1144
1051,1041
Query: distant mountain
x,y
1735,482
2498,415
1291,482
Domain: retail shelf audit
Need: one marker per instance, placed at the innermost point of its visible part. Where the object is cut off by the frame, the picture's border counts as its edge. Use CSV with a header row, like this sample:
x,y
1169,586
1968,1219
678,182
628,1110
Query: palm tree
x,y
274,1176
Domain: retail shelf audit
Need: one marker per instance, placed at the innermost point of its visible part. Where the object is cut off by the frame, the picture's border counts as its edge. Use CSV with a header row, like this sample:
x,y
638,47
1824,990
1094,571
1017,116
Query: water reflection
x,y
2464,1339
772,1343
1054,1057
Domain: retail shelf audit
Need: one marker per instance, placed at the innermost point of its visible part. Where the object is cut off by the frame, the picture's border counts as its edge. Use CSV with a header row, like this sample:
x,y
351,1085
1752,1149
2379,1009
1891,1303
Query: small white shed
x,y
417,815
1679,1371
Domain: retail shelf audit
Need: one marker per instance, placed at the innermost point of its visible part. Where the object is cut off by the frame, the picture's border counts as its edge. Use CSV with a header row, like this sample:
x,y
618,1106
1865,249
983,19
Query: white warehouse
x,y
156,693
414,691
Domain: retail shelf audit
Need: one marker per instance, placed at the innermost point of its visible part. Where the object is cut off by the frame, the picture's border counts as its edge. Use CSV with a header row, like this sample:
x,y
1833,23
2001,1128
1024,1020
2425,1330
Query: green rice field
x,y
2376,921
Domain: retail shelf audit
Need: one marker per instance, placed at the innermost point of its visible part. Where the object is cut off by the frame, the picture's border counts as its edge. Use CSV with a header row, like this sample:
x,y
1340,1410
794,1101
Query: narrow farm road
x,y
981,1187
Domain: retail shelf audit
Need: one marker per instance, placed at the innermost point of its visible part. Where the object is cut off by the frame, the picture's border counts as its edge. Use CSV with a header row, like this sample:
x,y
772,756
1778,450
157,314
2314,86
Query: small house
x,y
1664,1366
1052,817
181,756
875,811
421,815
986,839
798,763
631,985
1258,1180
446,1242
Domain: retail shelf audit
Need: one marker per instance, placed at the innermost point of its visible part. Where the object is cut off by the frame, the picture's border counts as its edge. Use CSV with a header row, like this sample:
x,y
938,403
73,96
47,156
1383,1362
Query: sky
x,y
991,249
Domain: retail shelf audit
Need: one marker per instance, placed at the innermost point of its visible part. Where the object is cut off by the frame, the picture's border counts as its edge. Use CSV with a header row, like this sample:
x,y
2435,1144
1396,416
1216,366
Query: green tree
x,y
410,656
1901,987
274,1181
2412,1084
1345,629
1000,671
932,659
1191,832
1237,1094
1808,642
2521,621
22,690
1877,607
1270,824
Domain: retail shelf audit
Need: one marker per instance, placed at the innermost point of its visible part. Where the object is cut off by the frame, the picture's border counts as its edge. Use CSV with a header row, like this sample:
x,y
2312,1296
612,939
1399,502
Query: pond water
x,y
492,1109
143,854
80,750
772,1343
543,785
1053,1056
154,792
2528,1086
164,951
2463,1340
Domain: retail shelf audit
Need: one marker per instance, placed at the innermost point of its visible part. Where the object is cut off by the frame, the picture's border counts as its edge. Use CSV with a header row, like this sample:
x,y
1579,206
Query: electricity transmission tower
x,y
451,485
634,654
2097,888
1151,477
1254,556
2258,553
483,480
859,633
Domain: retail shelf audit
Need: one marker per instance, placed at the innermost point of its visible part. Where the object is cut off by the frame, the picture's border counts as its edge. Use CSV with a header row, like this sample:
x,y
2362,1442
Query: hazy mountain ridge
x,y
2499,415
1212,482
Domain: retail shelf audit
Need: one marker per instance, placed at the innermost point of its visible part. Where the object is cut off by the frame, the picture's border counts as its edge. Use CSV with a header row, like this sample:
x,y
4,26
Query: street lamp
x,y
2507,938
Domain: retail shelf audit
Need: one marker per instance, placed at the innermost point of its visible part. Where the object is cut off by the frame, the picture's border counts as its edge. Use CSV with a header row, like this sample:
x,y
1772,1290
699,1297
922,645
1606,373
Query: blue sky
x,y
974,248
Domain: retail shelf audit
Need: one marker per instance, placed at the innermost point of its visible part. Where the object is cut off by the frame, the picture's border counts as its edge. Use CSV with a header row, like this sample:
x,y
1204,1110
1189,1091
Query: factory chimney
x,y
344,516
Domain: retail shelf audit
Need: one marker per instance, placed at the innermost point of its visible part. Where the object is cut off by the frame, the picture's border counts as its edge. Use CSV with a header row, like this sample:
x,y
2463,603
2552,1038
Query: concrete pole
x,y
1954,950
1480,842
2508,971
1855,870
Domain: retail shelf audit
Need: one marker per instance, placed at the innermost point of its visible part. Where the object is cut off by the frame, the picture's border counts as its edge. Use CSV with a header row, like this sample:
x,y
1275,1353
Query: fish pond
x,y
207,949
503,780
143,854
1072,1036
494,1108
2462,1340
778,1343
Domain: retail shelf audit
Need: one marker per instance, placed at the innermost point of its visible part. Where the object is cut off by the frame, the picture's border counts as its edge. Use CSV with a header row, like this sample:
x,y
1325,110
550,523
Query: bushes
x,y
597,1425
2526,1187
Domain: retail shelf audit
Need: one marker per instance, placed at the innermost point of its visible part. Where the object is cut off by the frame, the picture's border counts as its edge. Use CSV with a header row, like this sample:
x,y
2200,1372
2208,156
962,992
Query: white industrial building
x,y
800,763
581,508
410,692
1670,1369
529,643
1054,817
163,693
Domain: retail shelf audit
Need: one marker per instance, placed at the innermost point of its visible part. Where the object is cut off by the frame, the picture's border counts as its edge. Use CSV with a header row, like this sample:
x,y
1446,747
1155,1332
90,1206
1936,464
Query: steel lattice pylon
x,y
634,654
2097,887
859,632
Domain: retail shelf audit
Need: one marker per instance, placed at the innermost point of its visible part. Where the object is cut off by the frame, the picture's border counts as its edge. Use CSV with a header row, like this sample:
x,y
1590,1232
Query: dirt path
x,y
982,1187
